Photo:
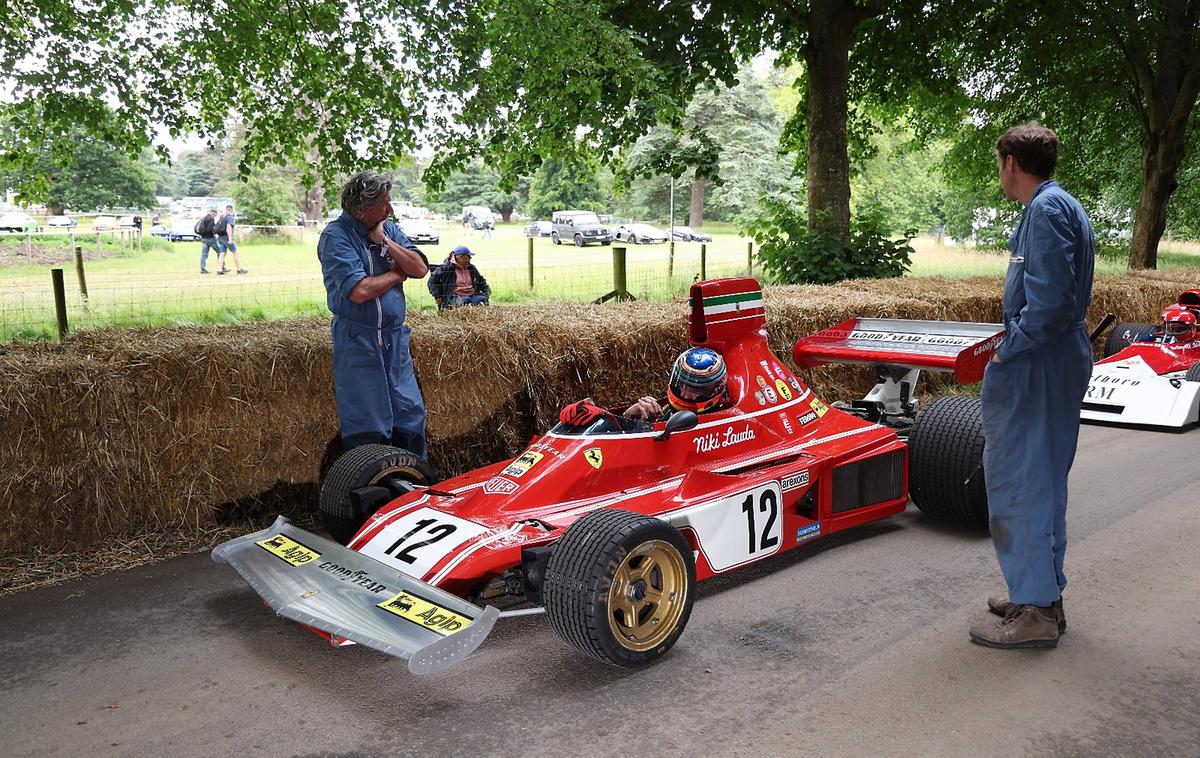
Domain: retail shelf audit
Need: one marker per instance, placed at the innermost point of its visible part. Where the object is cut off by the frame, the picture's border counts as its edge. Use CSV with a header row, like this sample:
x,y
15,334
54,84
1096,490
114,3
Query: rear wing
x,y
962,348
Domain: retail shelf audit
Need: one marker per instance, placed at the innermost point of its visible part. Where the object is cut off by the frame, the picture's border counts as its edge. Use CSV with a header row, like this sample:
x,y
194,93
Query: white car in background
x,y
60,221
639,234
419,231
17,221
105,223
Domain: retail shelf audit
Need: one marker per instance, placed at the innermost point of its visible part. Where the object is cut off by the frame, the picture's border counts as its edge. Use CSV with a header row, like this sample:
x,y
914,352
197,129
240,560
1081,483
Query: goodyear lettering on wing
x,y
288,550
353,576
794,481
991,344
806,533
522,463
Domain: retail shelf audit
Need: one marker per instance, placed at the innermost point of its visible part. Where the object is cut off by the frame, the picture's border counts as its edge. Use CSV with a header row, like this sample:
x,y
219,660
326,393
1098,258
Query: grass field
x,y
161,284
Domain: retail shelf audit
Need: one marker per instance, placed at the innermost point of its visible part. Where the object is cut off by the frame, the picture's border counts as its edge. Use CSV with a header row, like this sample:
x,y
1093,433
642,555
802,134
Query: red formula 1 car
x,y
1150,375
607,531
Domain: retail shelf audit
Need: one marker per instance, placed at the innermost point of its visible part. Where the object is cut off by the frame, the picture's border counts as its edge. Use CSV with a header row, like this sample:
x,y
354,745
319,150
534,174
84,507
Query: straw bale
x,y
126,431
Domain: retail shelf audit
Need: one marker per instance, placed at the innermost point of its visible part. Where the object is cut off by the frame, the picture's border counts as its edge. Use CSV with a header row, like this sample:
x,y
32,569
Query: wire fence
x,y
126,280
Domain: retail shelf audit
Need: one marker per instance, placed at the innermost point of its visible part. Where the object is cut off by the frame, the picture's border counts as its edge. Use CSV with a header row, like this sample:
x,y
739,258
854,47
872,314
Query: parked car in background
x,y
182,231
60,221
538,229
158,230
640,234
687,234
105,223
17,221
580,227
419,231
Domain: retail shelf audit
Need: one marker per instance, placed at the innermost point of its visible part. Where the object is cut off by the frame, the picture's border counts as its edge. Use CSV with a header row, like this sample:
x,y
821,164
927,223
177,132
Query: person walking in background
x,y
206,229
457,282
1032,389
365,260
224,232
488,226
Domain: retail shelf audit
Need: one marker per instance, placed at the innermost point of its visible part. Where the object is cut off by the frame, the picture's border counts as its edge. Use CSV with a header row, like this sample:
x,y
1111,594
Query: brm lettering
x,y
1101,393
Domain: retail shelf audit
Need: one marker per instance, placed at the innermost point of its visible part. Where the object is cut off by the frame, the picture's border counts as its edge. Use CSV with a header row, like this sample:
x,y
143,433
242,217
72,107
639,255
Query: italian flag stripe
x,y
737,297
733,315
733,307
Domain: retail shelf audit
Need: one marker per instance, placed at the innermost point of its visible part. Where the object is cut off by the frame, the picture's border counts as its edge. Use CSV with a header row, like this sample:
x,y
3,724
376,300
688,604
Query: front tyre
x,y
578,240
384,466
555,239
1193,373
620,587
1124,335
945,462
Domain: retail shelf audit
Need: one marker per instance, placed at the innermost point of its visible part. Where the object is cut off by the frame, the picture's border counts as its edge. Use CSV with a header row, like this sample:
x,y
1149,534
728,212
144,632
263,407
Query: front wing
x,y
323,585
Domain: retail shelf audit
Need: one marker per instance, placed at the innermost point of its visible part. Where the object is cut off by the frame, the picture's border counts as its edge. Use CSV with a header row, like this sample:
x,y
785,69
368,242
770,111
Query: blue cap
x,y
463,250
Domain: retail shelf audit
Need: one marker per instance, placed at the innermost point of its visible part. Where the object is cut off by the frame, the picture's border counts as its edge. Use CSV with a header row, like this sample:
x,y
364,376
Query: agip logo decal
x,y
423,613
288,550
523,463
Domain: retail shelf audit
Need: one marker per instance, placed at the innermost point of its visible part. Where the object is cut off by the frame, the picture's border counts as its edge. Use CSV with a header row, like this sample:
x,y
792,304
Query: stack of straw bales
x,y
121,432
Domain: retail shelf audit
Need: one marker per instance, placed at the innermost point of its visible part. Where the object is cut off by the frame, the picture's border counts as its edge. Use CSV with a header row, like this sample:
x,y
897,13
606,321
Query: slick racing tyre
x,y
379,466
945,462
620,586
1193,373
1123,335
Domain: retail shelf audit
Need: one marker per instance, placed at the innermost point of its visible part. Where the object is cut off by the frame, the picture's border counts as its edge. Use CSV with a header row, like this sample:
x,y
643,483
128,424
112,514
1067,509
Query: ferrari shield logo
x,y
594,456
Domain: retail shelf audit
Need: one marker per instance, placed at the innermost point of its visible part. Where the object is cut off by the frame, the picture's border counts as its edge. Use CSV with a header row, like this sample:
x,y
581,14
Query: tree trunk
x,y
696,212
827,55
1158,184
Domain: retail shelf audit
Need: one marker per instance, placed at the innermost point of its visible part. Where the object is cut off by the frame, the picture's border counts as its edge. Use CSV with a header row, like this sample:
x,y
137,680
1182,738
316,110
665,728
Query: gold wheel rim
x,y
647,595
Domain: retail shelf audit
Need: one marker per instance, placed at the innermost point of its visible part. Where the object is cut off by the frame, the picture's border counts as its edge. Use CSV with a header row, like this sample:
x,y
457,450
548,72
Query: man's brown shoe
x,y
1022,626
1000,606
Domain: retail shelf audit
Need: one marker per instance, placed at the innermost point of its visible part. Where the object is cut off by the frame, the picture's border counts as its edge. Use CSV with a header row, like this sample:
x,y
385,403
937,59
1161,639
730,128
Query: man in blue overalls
x,y
365,259
1032,390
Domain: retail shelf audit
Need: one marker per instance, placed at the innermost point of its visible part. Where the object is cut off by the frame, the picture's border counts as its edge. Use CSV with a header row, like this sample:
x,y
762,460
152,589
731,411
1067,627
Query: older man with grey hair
x,y
365,259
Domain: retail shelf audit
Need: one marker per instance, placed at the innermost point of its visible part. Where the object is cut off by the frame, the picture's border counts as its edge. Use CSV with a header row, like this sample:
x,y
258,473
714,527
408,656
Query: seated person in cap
x,y
457,282
697,384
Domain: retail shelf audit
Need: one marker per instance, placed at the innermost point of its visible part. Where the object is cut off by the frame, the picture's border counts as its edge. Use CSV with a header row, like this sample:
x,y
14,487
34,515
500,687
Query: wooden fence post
x,y
60,301
530,250
82,279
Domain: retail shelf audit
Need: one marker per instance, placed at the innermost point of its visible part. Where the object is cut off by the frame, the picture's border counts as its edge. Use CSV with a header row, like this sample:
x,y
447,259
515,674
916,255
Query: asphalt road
x,y
854,645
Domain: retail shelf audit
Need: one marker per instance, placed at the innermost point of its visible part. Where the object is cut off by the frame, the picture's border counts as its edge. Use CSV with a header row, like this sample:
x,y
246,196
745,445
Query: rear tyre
x,y
945,462
1193,373
1123,335
633,239
366,466
620,586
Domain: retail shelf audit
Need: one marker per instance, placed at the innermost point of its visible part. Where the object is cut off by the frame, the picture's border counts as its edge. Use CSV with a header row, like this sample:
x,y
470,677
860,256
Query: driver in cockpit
x,y
697,384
